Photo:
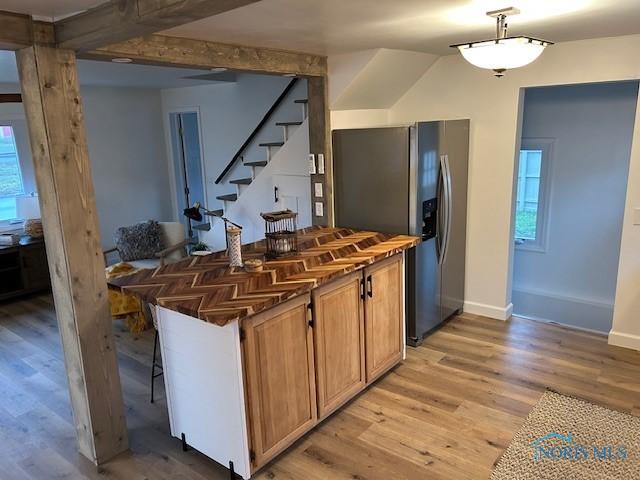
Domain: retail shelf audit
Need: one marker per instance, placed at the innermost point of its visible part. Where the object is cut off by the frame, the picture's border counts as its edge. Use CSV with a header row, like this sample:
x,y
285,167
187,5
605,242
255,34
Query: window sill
x,y
6,227
531,247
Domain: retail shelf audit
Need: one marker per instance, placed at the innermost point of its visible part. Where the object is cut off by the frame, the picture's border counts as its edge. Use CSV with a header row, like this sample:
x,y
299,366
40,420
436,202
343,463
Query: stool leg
x,y
153,364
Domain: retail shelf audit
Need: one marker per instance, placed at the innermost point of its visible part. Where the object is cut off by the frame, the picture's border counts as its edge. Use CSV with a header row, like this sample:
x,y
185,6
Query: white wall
x,y
228,113
573,280
128,157
374,78
359,118
452,88
626,324
290,165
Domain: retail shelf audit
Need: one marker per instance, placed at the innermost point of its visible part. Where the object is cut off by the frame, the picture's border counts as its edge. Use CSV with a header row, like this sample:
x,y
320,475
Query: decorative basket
x,y
281,235
33,227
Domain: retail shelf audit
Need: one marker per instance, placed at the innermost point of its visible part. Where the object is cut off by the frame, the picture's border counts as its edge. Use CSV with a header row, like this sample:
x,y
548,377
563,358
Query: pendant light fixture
x,y
503,52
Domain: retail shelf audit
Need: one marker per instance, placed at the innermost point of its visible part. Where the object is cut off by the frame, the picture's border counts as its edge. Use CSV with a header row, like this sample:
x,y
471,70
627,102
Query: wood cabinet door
x,y
338,333
280,378
384,316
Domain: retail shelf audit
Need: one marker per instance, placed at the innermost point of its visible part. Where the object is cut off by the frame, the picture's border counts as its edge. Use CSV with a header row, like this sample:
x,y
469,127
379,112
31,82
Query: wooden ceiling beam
x,y
119,20
19,31
183,52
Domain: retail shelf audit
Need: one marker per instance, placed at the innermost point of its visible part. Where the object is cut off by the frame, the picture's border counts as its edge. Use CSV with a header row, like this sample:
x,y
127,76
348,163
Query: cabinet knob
x,y
369,286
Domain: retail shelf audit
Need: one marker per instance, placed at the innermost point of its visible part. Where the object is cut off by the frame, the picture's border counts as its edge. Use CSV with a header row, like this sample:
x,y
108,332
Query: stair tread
x,y
262,163
202,227
287,124
272,144
301,100
230,197
241,181
218,212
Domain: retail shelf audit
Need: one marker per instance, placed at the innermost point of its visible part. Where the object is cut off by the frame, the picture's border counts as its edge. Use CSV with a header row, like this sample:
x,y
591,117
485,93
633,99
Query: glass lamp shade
x,y
504,53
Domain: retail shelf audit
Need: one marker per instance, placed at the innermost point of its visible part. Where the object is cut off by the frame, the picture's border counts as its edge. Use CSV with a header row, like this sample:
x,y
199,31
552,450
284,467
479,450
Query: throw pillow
x,y
139,241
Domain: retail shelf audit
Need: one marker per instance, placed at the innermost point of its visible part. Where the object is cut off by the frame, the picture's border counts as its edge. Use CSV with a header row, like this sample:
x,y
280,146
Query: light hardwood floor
x,y
446,413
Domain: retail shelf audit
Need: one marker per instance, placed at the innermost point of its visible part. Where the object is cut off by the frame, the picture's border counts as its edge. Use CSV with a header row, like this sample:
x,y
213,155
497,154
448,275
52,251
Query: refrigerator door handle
x,y
441,214
448,201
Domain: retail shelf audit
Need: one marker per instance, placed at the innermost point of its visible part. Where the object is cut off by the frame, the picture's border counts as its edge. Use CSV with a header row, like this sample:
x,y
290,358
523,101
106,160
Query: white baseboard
x,y
561,325
491,311
626,340
566,310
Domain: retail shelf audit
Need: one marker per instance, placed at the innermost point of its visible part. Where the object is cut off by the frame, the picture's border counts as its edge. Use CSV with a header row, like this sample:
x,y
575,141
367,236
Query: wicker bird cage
x,y
281,233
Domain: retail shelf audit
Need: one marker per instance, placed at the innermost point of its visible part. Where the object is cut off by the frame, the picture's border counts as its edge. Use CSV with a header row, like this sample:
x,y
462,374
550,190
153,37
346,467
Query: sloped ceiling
x,y
374,79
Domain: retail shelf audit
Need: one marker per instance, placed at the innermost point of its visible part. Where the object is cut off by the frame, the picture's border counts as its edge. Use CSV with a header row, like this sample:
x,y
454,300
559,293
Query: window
x,y
532,194
10,175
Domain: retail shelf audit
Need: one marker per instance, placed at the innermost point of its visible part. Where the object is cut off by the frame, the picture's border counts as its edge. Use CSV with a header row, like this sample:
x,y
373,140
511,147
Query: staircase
x,y
270,148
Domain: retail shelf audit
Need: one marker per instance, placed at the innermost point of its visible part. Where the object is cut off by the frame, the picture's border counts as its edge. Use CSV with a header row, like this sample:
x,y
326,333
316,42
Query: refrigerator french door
x,y
411,180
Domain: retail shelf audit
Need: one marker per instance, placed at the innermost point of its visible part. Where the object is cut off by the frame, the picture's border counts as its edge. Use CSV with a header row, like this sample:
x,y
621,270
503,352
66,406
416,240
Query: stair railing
x,y
256,130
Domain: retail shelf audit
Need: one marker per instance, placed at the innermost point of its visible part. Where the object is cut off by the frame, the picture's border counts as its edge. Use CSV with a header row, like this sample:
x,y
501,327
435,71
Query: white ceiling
x,y
340,26
48,9
107,74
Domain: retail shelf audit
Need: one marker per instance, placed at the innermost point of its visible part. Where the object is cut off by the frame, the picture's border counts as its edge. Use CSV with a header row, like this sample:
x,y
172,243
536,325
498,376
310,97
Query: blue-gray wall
x,y
573,281
127,150
128,156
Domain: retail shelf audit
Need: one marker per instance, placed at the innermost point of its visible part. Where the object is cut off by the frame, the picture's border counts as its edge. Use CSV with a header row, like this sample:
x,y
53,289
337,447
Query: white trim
x,y
626,340
569,298
544,197
171,160
491,311
533,318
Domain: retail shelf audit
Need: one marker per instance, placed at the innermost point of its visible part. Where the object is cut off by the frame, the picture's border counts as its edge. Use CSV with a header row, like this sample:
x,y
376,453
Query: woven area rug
x,y
567,438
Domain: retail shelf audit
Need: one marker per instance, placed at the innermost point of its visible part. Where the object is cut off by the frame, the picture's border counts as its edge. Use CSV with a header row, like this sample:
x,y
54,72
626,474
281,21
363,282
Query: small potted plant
x,y
200,248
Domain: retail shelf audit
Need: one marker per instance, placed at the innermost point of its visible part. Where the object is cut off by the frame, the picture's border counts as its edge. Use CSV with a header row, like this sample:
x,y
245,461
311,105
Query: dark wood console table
x,y
23,268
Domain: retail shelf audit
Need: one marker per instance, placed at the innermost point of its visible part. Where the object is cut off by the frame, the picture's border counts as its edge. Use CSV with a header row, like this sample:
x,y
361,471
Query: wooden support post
x,y
51,98
320,142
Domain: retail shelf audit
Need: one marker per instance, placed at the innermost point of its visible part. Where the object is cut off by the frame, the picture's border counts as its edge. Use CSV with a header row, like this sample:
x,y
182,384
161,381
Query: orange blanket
x,y
124,305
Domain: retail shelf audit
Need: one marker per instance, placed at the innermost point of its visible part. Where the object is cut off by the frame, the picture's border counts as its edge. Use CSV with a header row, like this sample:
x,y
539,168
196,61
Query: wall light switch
x,y
312,164
319,209
317,187
321,163
636,216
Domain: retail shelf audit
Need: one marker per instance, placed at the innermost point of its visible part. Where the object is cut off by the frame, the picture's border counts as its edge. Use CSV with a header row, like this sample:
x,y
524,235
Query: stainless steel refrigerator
x,y
411,180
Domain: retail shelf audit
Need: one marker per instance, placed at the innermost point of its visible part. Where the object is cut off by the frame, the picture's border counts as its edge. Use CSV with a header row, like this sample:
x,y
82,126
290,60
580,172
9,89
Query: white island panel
x,y
205,391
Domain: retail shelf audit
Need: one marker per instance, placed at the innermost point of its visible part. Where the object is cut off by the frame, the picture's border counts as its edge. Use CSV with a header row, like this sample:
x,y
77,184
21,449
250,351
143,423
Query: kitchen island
x,y
252,361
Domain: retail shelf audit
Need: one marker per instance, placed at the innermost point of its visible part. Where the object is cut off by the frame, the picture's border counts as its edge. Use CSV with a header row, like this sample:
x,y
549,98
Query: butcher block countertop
x,y
207,288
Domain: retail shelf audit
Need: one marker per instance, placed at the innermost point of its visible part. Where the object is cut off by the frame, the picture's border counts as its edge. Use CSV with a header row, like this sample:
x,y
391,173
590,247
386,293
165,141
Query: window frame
x,y
544,194
11,222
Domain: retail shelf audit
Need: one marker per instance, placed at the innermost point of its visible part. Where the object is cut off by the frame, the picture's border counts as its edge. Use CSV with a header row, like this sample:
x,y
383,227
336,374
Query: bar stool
x,y
154,364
